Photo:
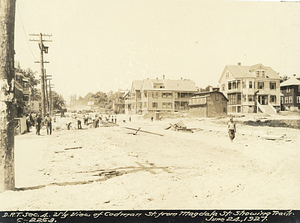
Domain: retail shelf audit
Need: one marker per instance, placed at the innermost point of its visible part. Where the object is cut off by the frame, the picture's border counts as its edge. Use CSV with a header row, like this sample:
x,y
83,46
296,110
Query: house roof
x,y
292,81
174,85
262,92
202,94
239,71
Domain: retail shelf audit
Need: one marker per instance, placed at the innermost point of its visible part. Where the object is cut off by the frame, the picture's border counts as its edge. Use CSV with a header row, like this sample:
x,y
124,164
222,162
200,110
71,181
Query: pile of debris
x,y
179,127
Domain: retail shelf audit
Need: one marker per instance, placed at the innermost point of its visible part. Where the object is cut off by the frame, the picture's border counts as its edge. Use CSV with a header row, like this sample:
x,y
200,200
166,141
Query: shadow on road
x,y
104,174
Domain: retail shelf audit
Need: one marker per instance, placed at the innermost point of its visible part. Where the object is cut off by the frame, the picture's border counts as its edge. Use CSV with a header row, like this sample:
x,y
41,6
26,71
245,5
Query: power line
x,y
25,32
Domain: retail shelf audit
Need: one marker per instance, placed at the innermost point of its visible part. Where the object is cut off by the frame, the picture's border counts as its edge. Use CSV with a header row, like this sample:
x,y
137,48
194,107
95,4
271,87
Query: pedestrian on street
x,y
28,123
78,123
69,125
130,118
231,129
115,119
38,124
48,122
31,120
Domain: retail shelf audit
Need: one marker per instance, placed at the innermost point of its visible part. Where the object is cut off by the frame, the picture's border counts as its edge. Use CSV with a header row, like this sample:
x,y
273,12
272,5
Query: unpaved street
x,y
110,168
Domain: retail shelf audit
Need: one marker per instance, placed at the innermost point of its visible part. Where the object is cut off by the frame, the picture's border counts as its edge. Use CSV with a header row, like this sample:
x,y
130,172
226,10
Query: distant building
x,y
159,95
251,88
22,93
291,93
208,104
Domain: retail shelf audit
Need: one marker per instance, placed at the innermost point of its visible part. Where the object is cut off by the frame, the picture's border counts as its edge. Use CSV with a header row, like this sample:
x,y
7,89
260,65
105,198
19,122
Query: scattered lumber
x,y
135,133
139,130
273,137
179,127
75,147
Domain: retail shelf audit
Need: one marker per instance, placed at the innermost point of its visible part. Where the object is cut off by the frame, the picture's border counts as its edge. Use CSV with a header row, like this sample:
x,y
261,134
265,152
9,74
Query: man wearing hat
x,y
231,129
48,122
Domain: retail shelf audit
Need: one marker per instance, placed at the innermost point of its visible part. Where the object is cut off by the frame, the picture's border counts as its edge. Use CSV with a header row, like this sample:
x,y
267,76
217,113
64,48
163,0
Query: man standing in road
x,y
231,129
38,124
48,122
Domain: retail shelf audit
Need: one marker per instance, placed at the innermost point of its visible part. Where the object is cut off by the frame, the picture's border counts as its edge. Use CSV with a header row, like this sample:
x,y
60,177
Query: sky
x,y
103,45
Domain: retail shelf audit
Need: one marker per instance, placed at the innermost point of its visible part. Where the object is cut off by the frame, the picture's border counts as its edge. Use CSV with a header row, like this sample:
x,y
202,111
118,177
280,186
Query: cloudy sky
x,y
103,45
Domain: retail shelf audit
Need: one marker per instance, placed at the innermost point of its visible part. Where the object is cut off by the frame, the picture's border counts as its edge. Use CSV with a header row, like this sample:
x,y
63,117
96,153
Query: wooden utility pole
x,y
7,110
51,98
46,93
43,49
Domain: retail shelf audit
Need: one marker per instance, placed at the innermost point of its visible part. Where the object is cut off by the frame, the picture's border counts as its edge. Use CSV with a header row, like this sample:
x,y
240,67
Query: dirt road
x,y
109,168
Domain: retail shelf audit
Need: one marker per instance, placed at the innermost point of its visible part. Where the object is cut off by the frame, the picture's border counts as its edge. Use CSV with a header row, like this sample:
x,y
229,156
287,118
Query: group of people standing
x,y
92,121
36,120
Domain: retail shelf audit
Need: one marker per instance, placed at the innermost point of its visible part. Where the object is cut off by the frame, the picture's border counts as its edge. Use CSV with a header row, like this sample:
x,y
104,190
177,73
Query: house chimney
x,y
239,63
157,78
181,78
163,76
294,75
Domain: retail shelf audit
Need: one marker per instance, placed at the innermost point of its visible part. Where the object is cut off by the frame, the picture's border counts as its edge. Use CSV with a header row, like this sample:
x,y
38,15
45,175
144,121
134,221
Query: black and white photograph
x,y
149,110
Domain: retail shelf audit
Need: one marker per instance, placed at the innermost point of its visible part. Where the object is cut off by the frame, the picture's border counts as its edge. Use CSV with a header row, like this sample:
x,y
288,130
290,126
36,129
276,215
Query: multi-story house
x,y
291,93
159,95
251,88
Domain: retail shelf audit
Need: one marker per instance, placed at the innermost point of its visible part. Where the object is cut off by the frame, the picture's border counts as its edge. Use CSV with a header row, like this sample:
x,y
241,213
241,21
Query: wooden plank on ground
x,y
144,131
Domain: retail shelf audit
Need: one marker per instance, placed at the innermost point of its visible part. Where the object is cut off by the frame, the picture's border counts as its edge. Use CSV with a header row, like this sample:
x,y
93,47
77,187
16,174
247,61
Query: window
x,y
250,84
250,98
154,105
290,99
233,85
229,86
145,94
281,100
217,97
257,73
223,87
244,84
166,105
244,98
260,85
288,89
272,85
286,100
232,99
273,98
167,95
263,74
227,75
154,94
298,99
145,104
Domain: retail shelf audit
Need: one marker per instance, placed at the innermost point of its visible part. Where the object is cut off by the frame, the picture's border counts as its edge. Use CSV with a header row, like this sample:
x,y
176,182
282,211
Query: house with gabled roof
x,y
251,89
290,90
159,95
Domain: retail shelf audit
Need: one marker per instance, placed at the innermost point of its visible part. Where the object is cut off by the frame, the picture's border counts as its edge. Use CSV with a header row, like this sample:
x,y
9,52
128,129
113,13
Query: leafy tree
x,y
58,101
100,99
284,78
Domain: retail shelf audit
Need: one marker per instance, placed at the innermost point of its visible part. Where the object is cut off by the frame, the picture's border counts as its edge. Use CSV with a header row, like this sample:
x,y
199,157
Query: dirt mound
x,y
295,124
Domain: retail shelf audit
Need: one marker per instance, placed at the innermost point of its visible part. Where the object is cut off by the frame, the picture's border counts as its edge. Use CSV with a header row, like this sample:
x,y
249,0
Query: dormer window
x,y
263,74
257,73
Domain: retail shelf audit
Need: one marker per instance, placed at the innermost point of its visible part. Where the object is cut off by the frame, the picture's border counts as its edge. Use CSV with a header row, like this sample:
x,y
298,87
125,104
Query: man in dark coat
x,y
38,124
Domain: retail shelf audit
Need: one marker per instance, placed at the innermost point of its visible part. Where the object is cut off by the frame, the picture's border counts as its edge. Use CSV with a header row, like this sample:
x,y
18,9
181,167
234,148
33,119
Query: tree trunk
x,y
7,110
